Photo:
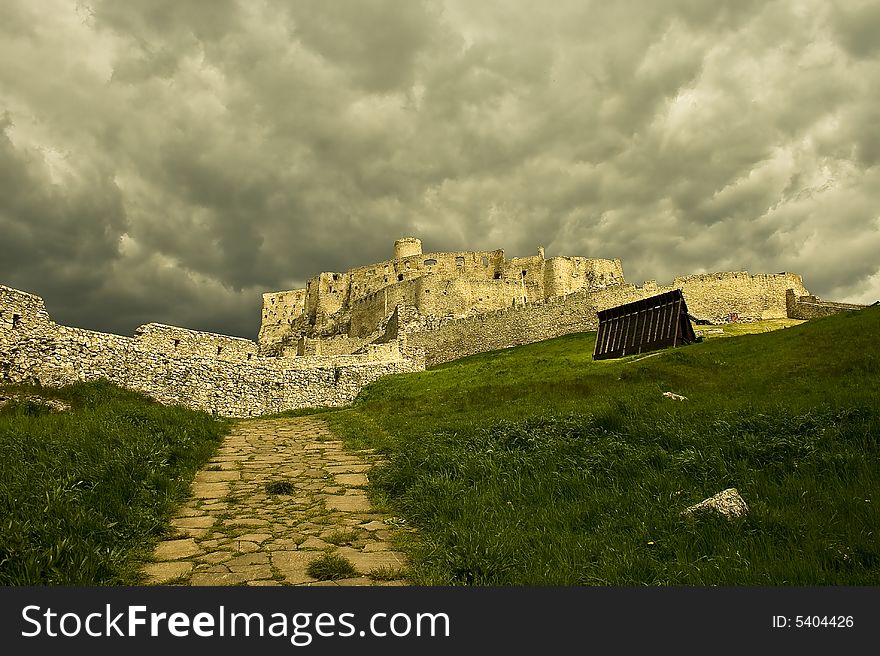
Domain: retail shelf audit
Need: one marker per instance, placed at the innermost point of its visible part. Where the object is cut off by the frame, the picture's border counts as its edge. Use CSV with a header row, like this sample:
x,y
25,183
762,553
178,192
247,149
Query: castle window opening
x,y
219,350
459,261
431,262
399,277
176,342
427,291
16,320
407,265
497,275
524,273
249,356
335,276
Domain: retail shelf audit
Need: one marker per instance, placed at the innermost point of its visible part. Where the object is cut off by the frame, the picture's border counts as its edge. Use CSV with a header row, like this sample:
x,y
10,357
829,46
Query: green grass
x,y
280,487
86,493
537,466
331,567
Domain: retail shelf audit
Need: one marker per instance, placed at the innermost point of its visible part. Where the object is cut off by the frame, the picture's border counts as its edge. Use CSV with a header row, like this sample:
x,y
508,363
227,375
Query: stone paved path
x,y
236,531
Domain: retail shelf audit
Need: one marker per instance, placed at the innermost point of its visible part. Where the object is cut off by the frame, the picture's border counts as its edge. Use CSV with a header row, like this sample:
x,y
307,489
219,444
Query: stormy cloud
x,y
171,160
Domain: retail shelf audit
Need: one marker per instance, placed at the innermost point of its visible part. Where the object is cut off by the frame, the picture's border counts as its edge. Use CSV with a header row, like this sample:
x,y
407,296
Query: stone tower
x,y
407,247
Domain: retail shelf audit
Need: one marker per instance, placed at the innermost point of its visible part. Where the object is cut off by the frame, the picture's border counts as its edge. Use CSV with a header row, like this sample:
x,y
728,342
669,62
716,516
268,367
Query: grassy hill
x,y
535,465
87,492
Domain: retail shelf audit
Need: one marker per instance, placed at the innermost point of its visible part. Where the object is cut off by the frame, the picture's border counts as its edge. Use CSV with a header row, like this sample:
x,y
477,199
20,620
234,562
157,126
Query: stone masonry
x,y
216,373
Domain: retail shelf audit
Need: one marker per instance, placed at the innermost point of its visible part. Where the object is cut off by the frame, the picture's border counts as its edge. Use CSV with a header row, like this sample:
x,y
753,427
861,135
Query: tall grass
x,y
85,493
535,465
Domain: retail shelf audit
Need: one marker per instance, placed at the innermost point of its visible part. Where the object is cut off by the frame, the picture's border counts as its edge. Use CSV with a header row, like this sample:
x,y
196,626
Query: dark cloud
x,y
169,161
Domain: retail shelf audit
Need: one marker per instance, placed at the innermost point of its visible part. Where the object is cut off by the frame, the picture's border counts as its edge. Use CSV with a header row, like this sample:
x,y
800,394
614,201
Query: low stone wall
x,y
177,366
712,296
812,307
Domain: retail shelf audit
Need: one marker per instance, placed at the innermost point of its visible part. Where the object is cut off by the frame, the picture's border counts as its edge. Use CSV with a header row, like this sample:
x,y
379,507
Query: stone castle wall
x,y
713,296
812,307
280,310
178,366
456,283
708,296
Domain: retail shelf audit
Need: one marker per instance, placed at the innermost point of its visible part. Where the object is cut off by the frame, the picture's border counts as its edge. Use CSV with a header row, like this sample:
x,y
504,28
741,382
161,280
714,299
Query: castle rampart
x,y
714,297
456,283
201,370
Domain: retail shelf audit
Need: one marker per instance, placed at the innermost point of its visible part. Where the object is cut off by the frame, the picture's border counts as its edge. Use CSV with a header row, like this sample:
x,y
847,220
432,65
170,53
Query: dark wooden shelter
x,y
646,325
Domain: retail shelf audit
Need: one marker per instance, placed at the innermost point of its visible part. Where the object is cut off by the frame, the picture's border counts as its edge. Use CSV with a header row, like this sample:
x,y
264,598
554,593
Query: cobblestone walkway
x,y
278,494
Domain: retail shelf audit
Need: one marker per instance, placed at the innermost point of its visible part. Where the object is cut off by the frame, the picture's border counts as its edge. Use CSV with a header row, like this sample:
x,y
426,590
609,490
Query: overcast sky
x,y
170,160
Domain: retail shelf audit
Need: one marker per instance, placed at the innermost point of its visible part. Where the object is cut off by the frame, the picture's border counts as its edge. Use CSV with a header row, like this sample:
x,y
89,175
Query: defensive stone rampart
x,y
200,370
714,297
812,307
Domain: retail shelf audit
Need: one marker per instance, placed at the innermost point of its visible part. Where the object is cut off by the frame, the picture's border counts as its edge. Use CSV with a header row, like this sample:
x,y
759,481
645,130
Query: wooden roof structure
x,y
652,323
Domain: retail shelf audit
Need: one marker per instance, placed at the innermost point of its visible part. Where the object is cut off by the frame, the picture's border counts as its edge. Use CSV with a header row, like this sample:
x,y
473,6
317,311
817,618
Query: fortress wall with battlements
x,y
812,307
179,366
713,296
710,296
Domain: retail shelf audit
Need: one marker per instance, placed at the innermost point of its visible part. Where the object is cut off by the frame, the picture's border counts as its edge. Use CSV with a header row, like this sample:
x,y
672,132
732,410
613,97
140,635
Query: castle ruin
x,y
318,346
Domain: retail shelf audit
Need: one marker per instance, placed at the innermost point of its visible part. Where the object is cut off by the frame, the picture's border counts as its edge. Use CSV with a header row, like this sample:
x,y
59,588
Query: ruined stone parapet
x,y
207,371
812,307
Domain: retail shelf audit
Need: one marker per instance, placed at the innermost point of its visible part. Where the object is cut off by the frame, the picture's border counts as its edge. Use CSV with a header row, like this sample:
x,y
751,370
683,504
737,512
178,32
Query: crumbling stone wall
x,y
713,296
710,296
445,284
280,310
179,366
812,307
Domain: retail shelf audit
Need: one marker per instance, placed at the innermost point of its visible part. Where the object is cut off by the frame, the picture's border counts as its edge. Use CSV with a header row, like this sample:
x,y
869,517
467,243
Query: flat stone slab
x,y
254,537
352,480
367,562
244,546
315,544
356,581
193,522
226,578
216,476
248,560
357,502
293,565
246,522
176,549
348,469
216,557
158,573
253,572
210,490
